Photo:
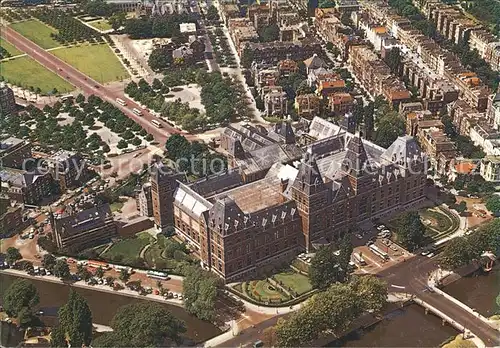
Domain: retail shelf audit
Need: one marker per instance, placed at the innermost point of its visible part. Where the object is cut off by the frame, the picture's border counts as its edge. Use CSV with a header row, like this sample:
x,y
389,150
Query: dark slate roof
x,y
308,178
84,220
285,132
355,158
216,184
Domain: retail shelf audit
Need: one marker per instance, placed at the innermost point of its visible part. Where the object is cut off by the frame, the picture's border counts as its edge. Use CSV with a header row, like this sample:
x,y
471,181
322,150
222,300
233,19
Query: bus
x,y
121,101
377,251
156,123
120,267
66,97
157,275
358,259
97,264
137,112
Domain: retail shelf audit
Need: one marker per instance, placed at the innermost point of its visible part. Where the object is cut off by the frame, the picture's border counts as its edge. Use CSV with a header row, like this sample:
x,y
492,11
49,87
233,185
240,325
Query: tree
x,y
212,14
99,273
410,231
124,275
142,325
58,338
54,91
200,291
393,60
12,255
20,299
157,85
80,98
270,33
390,127
48,262
493,204
28,267
75,319
160,59
325,268
456,253
61,269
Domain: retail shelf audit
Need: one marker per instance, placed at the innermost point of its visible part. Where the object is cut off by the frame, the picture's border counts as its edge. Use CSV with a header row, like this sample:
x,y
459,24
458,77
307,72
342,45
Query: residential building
x,y
287,67
493,111
7,100
341,103
376,76
440,148
259,15
14,152
239,228
482,134
276,51
28,187
229,11
307,105
78,230
275,101
347,5
144,200
68,169
152,7
242,31
265,77
11,216
490,168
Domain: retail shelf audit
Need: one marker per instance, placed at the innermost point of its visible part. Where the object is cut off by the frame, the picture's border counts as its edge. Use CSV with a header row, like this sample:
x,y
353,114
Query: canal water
x,y
478,291
406,327
104,306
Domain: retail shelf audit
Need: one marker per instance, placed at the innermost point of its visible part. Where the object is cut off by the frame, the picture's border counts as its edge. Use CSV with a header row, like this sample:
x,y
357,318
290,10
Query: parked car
x,y
358,236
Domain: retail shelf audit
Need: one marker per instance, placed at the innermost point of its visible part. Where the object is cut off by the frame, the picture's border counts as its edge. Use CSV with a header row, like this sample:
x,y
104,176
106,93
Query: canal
x,y
406,327
104,306
478,291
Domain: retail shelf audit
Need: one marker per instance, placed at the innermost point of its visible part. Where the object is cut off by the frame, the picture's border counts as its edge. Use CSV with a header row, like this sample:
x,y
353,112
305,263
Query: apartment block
x,y
490,168
11,216
276,51
78,230
275,101
14,152
340,103
376,76
287,67
68,169
28,187
7,100
488,47
242,31
493,110
229,11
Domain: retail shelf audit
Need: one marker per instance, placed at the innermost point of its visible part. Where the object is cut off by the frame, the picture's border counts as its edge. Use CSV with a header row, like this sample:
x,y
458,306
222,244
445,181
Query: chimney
x,y
283,184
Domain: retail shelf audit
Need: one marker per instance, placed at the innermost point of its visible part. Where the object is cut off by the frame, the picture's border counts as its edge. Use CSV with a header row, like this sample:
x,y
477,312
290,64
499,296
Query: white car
x,y
429,255
424,253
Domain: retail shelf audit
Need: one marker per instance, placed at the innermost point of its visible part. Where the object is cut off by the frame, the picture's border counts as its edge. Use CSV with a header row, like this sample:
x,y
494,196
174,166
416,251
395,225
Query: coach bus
x,y
157,275
377,251
358,259
97,264
137,112
66,97
121,101
156,123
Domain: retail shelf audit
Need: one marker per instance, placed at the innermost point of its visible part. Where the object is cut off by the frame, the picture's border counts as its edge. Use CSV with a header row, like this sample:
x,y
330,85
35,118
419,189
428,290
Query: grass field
x,y
100,24
37,32
296,281
128,248
9,48
96,61
25,72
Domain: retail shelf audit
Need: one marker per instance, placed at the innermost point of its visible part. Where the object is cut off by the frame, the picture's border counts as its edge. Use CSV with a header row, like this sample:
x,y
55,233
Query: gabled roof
x,y
356,159
308,179
402,150
314,62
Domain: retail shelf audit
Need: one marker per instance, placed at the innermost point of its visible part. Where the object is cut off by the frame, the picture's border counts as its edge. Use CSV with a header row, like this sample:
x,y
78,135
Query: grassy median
x,y
96,61
37,32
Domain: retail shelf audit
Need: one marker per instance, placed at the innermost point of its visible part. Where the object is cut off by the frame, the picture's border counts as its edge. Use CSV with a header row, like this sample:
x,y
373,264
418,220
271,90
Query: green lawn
x,y
128,248
37,32
9,48
116,206
100,24
25,72
295,281
263,291
96,61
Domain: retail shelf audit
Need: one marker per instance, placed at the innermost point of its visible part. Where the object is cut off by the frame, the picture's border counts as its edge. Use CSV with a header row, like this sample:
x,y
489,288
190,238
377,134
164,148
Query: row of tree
x,y
166,26
197,159
329,312
464,250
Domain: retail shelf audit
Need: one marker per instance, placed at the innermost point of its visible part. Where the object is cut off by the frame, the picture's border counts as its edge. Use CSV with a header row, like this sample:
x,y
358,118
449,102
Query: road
x,y
86,84
413,275
209,55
